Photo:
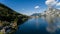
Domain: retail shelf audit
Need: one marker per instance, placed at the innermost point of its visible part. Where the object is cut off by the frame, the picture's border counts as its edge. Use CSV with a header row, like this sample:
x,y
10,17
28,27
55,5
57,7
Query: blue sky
x,y
26,6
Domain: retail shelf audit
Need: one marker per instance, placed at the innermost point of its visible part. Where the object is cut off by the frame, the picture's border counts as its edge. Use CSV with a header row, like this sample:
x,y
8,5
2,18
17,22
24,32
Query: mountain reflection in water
x,y
40,26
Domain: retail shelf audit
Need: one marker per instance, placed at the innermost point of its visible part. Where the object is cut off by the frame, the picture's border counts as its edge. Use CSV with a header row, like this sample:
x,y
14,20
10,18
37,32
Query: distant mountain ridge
x,y
49,12
36,14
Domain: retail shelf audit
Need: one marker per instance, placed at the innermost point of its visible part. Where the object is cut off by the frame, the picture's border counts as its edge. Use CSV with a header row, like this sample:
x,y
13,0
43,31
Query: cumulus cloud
x,y
36,7
51,2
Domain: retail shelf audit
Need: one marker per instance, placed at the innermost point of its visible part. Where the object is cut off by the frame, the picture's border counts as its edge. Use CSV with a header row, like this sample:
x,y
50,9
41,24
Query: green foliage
x,y
8,16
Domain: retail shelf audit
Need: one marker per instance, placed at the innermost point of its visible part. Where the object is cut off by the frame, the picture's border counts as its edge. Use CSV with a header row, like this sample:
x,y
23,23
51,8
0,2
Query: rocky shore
x,y
10,19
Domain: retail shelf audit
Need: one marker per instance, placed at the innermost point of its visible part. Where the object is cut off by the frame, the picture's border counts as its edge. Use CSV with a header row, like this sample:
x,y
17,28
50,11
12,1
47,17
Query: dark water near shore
x,y
34,26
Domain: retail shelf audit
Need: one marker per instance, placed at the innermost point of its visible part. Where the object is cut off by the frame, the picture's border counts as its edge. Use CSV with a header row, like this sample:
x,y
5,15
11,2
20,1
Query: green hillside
x,y
10,19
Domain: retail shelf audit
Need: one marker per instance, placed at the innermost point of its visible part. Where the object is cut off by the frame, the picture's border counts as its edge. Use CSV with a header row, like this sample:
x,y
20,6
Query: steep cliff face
x,y
52,12
10,19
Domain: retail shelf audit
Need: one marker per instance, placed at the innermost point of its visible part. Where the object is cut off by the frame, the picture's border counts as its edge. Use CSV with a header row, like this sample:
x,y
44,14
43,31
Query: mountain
x,y
52,16
10,19
36,14
53,12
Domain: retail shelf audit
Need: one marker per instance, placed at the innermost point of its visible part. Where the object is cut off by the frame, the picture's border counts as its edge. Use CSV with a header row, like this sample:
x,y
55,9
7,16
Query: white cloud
x,y
51,2
36,7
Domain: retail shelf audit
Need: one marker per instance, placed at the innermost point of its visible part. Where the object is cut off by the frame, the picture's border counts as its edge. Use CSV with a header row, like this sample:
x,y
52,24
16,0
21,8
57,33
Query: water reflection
x,y
37,24
53,23
40,26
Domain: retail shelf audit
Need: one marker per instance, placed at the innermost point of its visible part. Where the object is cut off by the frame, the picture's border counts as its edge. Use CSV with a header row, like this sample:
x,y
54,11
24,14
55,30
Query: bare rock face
x,y
10,19
52,17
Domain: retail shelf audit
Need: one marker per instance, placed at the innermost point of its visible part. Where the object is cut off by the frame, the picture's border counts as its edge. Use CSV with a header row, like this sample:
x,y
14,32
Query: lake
x,y
35,26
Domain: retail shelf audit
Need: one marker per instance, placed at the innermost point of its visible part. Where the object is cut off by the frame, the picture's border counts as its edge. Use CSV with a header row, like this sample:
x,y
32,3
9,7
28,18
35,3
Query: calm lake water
x,y
34,26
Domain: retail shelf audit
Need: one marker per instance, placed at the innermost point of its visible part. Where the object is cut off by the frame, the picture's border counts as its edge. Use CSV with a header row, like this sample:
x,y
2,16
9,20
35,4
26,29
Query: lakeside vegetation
x,y
10,19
